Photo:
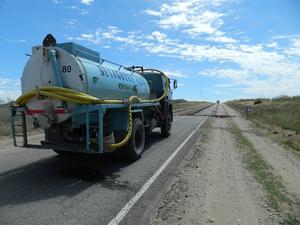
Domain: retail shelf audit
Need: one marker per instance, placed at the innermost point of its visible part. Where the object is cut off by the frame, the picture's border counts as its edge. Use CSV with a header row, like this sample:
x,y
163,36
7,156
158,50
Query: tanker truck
x,y
86,104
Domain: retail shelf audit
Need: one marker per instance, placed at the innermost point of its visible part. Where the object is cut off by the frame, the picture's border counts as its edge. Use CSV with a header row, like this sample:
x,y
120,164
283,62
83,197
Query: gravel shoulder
x,y
285,163
214,187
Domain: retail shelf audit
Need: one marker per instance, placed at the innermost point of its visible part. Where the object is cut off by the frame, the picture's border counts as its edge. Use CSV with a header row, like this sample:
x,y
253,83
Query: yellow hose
x,y
69,95
128,135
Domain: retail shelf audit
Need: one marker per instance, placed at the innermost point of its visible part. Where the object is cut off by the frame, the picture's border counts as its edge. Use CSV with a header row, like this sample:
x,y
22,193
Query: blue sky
x,y
216,49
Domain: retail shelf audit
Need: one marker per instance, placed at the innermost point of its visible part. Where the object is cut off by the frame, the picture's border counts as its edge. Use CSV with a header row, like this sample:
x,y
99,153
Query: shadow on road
x,y
64,176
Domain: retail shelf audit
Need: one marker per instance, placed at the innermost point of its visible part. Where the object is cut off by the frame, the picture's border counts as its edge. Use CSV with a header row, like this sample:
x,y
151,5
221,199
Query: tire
x,y
166,126
135,146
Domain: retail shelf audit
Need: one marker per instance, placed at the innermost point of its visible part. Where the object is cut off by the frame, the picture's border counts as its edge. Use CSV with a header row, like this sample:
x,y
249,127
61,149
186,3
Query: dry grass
x,y
181,105
5,125
280,116
4,120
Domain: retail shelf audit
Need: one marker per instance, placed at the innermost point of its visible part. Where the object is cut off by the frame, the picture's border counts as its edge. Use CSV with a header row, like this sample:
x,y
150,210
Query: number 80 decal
x,y
66,69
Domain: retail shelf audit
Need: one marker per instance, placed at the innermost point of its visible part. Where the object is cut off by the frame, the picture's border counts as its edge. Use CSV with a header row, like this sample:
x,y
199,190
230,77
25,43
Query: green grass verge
x,y
276,196
273,115
284,113
291,144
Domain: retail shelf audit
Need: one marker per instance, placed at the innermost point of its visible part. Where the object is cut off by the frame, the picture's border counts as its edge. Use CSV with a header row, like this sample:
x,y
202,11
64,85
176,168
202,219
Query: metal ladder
x,y
100,113
18,111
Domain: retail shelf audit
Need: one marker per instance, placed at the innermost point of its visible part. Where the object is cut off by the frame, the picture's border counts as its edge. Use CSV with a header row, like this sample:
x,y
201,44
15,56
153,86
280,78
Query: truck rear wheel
x,y
166,126
135,146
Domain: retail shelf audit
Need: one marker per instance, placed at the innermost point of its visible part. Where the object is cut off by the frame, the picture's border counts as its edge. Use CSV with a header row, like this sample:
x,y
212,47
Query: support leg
x,y
12,123
100,131
87,121
24,129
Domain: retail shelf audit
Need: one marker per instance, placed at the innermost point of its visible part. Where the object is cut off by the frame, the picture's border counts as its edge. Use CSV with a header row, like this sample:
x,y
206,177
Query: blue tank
x,y
107,80
81,69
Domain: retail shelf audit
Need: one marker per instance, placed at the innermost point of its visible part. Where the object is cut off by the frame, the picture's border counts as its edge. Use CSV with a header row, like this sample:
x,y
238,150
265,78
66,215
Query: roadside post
x,y
247,109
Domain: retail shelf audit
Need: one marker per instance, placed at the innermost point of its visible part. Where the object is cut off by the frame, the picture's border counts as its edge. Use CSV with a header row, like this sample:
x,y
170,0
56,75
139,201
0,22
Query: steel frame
x,y
101,110
84,110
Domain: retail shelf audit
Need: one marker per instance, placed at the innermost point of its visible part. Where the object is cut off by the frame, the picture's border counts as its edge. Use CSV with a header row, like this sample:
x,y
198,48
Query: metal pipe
x,y
56,68
100,131
87,126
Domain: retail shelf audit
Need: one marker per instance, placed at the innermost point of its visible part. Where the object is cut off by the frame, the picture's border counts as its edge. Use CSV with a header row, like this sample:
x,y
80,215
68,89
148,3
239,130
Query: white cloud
x,y
193,23
222,39
259,68
208,22
89,37
55,1
272,45
225,73
71,23
245,85
193,16
80,10
174,21
197,18
253,60
176,74
225,85
273,87
9,88
83,12
288,37
152,12
222,93
294,50
178,6
86,2
16,40
158,36
8,81
112,33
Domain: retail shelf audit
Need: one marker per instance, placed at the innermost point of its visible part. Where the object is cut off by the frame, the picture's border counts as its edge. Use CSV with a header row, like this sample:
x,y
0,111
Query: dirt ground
x,y
285,163
215,187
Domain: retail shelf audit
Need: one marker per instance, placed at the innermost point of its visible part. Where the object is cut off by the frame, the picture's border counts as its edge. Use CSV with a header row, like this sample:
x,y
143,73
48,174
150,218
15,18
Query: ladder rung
x,y
18,135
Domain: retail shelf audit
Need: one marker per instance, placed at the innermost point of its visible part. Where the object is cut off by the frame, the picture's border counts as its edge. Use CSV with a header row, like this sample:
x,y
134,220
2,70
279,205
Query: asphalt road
x,y
40,187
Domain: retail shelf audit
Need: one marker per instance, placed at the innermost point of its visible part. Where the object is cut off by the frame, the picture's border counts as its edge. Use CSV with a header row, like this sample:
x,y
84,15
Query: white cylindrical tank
x,y
76,68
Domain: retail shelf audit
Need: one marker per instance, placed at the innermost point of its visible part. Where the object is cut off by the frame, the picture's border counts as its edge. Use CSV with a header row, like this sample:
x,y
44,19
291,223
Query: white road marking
x,y
138,195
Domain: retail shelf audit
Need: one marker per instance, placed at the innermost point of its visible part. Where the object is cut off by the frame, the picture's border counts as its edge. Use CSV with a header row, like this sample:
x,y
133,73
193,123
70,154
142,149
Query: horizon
x,y
217,50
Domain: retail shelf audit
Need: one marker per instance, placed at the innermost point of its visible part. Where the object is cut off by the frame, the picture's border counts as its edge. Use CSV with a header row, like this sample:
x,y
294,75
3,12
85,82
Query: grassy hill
x,y
281,116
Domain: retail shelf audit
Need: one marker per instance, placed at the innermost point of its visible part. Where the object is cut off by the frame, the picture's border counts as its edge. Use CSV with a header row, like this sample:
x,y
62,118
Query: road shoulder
x,y
214,187
285,163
